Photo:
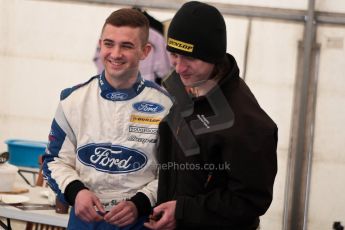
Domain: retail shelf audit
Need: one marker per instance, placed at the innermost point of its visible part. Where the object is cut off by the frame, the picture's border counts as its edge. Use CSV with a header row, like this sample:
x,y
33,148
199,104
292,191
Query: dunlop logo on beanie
x,y
198,30
180,45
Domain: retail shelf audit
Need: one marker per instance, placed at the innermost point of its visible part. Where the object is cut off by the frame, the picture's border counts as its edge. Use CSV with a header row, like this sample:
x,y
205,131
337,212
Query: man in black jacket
x,y
217,150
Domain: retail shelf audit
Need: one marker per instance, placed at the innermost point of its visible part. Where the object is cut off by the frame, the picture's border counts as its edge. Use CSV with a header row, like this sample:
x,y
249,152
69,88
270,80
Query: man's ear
x,y
146,50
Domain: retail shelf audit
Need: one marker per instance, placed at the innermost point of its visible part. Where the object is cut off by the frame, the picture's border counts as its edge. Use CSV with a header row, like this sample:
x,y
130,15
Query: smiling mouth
x,y
116,63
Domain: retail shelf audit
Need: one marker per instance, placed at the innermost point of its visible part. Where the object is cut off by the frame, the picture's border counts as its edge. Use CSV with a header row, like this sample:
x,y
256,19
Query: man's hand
x,y
122,214
167,221
84,206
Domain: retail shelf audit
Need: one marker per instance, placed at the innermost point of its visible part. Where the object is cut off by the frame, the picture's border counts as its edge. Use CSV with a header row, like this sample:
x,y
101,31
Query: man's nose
x,y
180,65
116,52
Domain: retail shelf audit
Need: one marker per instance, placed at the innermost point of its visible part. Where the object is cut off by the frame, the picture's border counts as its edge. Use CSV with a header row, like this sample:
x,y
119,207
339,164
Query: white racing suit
x,y
106,138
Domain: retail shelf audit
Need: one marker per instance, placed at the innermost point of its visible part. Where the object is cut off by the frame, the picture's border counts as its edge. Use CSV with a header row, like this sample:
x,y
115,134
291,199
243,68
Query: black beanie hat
x,y
198,30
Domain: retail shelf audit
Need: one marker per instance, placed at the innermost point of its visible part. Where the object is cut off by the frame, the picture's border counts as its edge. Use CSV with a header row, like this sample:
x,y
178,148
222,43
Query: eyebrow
x,y
128,43
122,43
108,40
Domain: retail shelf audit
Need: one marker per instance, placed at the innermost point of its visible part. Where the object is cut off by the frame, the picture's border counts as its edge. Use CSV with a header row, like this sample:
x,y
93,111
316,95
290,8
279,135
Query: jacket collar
x,y
112,94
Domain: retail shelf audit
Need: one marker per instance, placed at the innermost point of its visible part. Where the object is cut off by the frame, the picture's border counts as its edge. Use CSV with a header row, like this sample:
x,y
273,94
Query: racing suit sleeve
x,y
146,198
59,159
247,190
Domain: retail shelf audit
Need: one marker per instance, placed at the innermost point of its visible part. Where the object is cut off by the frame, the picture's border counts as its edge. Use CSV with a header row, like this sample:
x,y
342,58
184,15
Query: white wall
x,y
336,6
327,200
286,4
271,75
321,5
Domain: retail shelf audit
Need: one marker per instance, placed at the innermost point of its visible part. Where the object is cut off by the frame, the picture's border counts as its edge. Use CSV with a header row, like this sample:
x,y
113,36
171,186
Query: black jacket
x,y
227,182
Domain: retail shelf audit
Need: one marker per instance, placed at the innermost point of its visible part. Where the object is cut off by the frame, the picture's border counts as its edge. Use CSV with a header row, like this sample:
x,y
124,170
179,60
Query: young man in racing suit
x,y
101,153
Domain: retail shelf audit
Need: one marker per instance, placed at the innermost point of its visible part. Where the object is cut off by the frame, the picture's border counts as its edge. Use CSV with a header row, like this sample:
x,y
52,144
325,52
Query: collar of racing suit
x,y
112,94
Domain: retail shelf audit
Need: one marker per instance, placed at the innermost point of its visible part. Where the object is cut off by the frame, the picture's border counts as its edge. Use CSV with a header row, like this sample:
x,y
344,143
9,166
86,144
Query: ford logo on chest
x,y
114,159
148,107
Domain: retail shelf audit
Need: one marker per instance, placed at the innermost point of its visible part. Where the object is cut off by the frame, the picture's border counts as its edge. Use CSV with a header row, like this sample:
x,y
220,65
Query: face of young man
x,y
191,70
121,51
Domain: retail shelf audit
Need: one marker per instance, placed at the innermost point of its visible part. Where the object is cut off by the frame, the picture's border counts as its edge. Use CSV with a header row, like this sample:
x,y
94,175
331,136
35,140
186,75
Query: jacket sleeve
x,y
59,159
248,187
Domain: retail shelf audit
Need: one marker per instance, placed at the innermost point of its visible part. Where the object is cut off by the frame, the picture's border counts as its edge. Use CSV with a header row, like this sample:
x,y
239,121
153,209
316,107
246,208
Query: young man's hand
x,y
122,214
84,206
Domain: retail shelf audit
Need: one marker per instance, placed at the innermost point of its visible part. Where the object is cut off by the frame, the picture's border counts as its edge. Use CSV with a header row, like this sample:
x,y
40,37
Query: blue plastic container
x,y
25,152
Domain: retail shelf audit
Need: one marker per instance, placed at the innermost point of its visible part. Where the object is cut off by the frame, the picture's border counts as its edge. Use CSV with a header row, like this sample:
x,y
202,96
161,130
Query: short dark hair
x,y
132,18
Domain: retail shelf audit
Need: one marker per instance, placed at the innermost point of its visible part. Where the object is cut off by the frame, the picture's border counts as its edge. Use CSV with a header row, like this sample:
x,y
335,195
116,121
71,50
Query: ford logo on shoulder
x,y
148,107
114,159
116,96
